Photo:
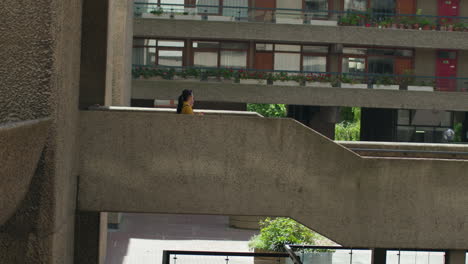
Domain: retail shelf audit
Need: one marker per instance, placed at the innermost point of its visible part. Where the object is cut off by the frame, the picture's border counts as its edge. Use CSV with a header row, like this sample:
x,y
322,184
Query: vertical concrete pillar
x,y
455,257
379,256
90,237
119,53
322,119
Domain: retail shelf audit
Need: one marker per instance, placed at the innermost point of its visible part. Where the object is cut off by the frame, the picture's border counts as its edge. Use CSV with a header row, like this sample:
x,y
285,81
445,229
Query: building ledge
x,y
170,28
301,95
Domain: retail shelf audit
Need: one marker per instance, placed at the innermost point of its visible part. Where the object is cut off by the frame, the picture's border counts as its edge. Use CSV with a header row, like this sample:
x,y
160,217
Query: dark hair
x,y
182,98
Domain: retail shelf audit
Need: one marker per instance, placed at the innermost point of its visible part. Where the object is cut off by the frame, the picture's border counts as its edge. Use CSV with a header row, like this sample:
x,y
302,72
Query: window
x,y
355,5
383,7
172,5
233,59
158,52
312,6
423,125
380,65
208,6
281,47
264,47
314,64
205,59
315,49
220,54
356,51
287,61
170,58
354,65
229,8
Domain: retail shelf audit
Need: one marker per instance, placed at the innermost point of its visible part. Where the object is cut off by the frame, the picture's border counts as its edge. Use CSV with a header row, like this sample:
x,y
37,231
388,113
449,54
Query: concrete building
x,y
63,164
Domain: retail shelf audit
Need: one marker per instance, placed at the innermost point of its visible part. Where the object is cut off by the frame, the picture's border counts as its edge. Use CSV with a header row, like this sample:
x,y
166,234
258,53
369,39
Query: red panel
x,y
403,66
449,7
264,60
266,14
446,67
406,6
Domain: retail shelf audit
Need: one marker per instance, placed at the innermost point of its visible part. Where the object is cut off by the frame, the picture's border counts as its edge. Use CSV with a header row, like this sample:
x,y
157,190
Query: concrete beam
x,y
170,28
21,147
229,165
299,95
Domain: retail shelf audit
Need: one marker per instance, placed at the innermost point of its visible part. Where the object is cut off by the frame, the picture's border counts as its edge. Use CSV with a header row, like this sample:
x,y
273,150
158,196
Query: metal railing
x,y
209,257
368,18
356,80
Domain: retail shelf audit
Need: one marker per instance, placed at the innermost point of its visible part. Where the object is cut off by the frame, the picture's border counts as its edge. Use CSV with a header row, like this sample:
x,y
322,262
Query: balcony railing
x,y
212,257
339,255
304,254
302,78
417,21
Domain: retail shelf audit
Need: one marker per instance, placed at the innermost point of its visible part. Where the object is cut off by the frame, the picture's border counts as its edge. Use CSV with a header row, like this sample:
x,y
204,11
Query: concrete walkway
x,y
142,238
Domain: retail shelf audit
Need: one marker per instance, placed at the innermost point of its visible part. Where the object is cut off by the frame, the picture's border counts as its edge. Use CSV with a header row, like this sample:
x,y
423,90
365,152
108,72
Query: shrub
x,y
275,233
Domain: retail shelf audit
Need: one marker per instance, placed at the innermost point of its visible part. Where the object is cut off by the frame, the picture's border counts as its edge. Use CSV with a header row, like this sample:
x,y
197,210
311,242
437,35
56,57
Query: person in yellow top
x,y
185,104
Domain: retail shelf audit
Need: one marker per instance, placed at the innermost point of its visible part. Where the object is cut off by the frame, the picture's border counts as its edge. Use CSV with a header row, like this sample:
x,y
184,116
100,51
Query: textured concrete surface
x,y
119,52
142,162
22,144
39,73
167,28
408,150
297,95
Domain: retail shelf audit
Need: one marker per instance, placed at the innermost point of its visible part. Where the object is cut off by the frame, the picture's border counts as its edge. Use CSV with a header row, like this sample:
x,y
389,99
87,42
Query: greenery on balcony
x,y
275,233
417,21
350,128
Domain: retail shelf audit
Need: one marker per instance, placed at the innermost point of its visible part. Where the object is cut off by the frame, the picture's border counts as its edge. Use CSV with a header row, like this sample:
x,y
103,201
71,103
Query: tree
x,y
277,232
268,110
350,128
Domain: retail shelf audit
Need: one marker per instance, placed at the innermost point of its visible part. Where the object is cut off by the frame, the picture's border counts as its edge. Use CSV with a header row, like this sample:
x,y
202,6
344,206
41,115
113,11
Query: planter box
x,y
286,83
323,22
318,84
286,20
420,88
354,86
187,17
162,16
220,18
154,78
253,81
387,87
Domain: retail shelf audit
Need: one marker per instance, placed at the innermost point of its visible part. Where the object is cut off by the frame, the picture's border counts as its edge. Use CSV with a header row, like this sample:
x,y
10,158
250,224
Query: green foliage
x,y
458,128
157,12
268,110
275,233
350,128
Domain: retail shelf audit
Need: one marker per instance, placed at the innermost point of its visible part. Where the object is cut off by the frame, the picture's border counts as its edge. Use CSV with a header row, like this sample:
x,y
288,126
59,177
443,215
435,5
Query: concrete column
x,y
90,237
93,53
119,52
455,257
379,256
320,118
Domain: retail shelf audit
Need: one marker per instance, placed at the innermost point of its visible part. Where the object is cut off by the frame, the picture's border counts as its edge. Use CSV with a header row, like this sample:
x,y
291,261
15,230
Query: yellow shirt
x,y
187,109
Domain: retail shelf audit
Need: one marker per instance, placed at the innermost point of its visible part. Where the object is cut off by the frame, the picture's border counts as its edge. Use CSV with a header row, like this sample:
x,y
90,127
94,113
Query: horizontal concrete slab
x,y
301,95
170,28
230,165
408,150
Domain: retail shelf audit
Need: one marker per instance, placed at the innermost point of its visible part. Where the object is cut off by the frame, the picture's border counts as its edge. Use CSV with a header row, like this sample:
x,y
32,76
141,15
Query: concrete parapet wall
x,y
229,165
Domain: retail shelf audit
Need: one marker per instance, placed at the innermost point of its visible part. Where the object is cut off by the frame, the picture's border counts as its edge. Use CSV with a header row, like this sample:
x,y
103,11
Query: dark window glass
x,y
383,7
380,65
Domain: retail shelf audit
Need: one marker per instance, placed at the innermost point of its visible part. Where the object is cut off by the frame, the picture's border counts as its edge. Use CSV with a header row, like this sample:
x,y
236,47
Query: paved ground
x,y
142,238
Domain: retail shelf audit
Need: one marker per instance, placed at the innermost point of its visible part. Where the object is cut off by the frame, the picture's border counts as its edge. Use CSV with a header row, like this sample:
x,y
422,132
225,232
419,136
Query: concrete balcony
x,y
348,35
301,95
